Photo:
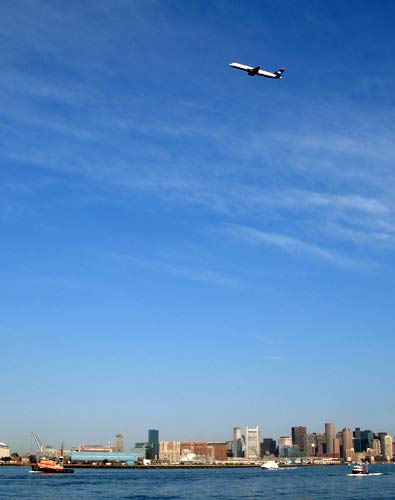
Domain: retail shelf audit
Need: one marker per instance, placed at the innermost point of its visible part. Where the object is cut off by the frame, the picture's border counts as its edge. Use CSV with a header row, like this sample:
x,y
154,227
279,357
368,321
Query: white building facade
x,y
4,450
170,451
253,438
386,450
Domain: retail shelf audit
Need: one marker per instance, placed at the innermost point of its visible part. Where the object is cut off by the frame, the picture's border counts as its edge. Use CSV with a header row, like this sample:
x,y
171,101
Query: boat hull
x,y
51,470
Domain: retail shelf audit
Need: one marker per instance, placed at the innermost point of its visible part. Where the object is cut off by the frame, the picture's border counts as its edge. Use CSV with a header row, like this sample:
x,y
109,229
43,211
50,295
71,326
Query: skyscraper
x,y
253,447
376,446
268,446
119,443
347,444
153,442
298,434
357,440
386,446
320,441
238,442
366,440
330,435
310,445
284,445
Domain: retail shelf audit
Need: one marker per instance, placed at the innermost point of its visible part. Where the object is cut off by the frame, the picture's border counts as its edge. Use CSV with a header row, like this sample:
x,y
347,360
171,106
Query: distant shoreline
x,y
176,466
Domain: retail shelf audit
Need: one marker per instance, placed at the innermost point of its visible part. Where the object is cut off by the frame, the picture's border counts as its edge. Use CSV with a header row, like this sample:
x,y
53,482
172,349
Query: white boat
x,y
360,470
270,465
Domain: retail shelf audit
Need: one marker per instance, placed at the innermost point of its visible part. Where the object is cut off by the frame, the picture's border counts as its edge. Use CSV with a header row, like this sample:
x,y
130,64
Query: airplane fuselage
x,y
252,71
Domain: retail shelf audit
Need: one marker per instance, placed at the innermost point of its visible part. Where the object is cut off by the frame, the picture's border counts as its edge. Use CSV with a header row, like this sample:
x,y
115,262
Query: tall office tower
x,y
386,447
376,446
119,443
284,446
330,435
153,441
268,447
357,440
320,442
381,436
238,442
347,444
253,439
366,440
309,445
298,434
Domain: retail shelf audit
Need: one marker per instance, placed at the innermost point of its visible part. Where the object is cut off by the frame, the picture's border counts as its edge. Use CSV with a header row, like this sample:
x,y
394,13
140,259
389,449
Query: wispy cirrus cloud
x,y
373,234
347,216
182,271
291,245
343,202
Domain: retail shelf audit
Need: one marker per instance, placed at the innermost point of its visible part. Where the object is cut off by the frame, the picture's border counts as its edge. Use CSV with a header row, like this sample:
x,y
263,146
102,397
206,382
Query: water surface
x,y
305,483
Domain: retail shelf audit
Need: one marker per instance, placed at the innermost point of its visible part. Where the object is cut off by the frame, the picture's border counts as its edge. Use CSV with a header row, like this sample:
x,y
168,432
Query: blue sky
x,y
184,247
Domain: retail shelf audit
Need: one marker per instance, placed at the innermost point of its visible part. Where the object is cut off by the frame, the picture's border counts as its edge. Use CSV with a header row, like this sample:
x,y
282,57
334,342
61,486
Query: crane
x,y
40,445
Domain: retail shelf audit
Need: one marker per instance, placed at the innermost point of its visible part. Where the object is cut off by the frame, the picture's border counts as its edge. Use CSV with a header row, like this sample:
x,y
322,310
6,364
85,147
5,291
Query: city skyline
x,y
239,438
186,247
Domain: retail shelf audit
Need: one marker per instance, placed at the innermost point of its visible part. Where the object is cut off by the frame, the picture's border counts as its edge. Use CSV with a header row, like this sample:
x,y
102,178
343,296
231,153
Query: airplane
x,y
252,71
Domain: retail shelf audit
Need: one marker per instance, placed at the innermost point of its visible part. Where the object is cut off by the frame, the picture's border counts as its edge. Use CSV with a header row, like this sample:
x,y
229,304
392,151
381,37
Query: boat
x,y
51,466
270,465
360,470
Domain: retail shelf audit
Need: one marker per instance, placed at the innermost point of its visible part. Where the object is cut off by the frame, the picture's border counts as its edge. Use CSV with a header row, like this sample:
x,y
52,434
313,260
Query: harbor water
x,y
301,483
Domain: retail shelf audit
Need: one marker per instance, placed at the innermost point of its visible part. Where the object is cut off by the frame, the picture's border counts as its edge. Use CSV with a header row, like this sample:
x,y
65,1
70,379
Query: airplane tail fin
x,y
279,72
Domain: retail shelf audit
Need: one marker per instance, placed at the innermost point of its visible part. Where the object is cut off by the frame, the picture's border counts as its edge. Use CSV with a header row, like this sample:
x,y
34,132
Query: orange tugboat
x,y
51,466
48,465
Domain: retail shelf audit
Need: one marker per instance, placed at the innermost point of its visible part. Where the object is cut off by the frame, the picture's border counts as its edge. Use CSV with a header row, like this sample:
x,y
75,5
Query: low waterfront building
x,y
96,456
199,448
219,451
94,448
170,451
4,450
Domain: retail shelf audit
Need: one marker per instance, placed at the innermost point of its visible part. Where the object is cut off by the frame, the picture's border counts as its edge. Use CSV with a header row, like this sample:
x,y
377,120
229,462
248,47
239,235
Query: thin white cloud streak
x,y
357,236
55,281
228,195
291,245
204,276
343,202
369,144
362,219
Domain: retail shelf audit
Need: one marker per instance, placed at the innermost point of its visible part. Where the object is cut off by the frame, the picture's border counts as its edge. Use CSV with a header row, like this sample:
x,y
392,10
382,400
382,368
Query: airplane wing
x,y
241,66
